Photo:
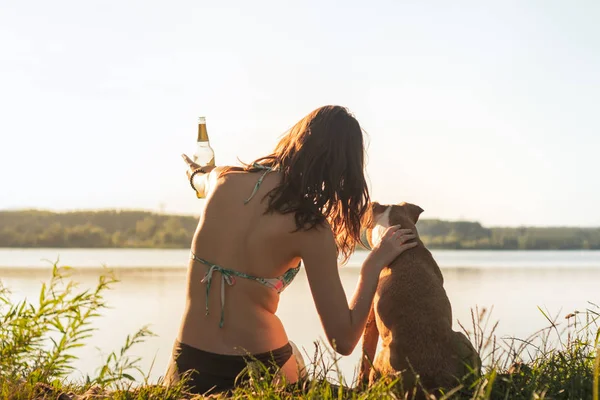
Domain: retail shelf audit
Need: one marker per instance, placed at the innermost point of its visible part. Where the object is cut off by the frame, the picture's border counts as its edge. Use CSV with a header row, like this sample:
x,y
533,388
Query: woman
x,y
304,202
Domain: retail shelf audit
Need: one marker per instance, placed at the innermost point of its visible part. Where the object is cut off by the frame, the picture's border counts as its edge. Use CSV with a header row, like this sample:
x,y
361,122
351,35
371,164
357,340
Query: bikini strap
x,y
226,277
260,180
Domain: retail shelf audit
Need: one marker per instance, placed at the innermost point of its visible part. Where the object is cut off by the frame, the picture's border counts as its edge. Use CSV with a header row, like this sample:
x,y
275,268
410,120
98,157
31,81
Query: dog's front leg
x,y
369,346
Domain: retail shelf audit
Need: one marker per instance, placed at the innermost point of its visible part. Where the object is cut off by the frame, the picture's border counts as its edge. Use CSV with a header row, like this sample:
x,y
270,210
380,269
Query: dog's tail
x,y
369,346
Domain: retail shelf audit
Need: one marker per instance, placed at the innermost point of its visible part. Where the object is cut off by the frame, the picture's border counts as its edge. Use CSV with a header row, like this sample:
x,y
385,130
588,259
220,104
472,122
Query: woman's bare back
x,y
240,237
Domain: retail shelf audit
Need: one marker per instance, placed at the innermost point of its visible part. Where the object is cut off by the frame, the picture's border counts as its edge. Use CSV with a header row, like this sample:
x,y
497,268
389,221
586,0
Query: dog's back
x,y
413,314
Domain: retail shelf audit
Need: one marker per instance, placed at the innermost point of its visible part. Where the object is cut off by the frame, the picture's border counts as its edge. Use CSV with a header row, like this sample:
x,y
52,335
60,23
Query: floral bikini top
x,y
228,275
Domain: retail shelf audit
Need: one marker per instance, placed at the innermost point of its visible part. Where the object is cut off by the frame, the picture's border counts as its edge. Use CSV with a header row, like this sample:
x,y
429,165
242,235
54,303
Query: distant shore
x,y
144,229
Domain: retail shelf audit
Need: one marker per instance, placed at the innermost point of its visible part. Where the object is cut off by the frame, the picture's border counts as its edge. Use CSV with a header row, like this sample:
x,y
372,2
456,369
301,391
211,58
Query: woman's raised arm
x,y
344,322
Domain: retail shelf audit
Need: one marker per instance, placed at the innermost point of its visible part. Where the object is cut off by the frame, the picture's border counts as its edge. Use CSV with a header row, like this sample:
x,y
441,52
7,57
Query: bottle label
x,y
202,133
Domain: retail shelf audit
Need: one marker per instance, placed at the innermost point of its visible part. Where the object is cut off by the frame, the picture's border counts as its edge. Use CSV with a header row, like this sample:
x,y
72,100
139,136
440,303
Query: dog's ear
x,y
377,208
413,211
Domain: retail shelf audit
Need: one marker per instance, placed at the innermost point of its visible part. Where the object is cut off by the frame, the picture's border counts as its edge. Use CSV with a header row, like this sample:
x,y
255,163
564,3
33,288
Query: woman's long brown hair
x,y
321,159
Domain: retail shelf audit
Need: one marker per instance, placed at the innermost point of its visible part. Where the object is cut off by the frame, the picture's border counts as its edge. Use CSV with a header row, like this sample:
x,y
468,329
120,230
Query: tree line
x,y
143,229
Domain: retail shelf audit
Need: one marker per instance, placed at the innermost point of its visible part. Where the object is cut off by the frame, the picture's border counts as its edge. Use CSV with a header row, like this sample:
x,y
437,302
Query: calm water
x,y
150,292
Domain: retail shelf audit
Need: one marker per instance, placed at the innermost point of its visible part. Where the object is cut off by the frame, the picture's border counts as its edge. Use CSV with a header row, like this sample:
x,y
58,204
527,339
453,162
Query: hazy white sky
x,y
485,111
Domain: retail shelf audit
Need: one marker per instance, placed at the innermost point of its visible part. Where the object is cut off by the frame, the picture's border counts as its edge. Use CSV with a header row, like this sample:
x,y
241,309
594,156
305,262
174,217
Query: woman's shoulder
x,y
317,244
224,171
321,232
215,176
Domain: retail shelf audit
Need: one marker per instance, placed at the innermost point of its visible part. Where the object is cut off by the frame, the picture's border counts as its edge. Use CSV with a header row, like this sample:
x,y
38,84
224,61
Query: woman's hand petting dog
x,y
394,242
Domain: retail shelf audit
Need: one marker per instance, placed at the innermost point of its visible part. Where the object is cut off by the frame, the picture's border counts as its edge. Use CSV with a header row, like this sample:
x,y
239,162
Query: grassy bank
x,y
38,339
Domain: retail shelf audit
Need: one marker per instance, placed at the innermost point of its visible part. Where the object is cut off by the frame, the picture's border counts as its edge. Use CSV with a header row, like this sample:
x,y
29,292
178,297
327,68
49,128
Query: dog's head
x,y
404,214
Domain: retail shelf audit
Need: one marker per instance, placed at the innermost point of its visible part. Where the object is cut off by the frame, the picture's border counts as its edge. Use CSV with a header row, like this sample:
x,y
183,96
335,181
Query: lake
x,y
151,292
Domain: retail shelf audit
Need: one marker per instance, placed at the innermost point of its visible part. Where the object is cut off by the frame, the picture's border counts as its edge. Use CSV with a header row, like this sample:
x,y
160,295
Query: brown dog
x,y
412,314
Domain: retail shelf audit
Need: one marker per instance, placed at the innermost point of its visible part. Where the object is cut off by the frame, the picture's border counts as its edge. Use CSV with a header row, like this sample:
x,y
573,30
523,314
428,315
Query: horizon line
x,y
183,214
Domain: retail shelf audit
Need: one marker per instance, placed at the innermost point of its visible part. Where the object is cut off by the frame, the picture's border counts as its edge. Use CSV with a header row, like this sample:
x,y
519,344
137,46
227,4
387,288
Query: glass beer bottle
x,y
204,155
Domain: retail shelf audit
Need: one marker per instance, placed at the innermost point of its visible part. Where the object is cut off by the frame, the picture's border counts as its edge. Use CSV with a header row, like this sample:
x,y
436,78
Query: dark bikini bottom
x,y
218,372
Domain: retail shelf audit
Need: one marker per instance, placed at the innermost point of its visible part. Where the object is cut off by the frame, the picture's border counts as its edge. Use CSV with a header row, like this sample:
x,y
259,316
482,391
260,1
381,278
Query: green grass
x,y
38,340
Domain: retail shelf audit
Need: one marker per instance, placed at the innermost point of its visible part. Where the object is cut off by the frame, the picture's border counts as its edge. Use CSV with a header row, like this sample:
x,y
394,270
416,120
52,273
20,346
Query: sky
x,y
486,111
